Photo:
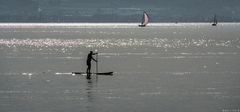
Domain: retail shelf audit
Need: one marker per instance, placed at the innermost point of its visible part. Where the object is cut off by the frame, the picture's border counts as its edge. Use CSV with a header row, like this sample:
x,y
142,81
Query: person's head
x,y
91,52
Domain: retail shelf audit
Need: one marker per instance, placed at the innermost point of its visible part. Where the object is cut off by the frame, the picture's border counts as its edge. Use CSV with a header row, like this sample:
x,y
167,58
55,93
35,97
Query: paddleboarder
x,y
89,59
88,62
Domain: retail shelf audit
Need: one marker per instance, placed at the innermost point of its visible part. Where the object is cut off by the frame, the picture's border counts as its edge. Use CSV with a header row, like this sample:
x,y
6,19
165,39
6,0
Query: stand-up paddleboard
x,y
101,73
96,73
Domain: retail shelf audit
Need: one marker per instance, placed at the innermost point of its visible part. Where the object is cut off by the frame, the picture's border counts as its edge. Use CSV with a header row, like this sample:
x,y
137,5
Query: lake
x,y
164,67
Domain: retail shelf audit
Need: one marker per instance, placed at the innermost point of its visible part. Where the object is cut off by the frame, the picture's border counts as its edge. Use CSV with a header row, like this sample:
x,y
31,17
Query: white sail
x,y
146,19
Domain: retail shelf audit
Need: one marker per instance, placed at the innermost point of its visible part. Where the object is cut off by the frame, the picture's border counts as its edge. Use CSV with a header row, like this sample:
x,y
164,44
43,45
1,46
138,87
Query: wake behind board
x,y
101,73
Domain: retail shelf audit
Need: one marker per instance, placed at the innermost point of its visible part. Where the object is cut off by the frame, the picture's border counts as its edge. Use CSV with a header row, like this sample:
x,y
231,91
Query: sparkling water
x,y
164,67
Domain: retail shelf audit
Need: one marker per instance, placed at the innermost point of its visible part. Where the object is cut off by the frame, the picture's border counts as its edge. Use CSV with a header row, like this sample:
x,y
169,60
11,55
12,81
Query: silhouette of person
x,y
89,59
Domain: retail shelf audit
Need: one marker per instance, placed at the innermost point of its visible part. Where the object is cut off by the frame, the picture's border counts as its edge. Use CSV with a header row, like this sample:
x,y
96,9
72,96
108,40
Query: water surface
x,y
163,67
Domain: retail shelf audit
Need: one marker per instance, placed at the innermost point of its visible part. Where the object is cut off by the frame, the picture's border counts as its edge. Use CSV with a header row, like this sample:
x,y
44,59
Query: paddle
x,y
96,63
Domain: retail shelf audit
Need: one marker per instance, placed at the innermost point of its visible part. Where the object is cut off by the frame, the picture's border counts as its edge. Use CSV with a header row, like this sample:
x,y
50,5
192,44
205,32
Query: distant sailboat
x,y
145,20
215,21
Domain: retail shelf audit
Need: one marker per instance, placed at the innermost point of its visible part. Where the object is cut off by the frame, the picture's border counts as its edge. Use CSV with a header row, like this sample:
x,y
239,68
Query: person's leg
x,y
89,68
88,72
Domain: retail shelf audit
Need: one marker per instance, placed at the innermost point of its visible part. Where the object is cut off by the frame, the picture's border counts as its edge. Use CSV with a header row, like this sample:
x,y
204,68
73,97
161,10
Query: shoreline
x,y
31,25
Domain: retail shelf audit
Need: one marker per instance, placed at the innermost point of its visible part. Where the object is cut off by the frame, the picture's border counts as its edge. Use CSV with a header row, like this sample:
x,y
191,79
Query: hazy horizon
x,y
118,10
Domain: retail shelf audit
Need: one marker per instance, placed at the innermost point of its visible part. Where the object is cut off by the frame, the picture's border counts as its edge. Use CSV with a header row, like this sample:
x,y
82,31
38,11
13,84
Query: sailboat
x,y
214,21
145,20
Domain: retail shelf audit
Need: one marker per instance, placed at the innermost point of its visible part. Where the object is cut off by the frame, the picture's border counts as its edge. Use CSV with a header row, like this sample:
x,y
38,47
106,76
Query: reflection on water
x,y
90,96
129,42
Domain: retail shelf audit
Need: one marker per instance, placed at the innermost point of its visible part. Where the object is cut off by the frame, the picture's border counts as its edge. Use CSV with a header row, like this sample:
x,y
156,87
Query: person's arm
x,y
94,53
